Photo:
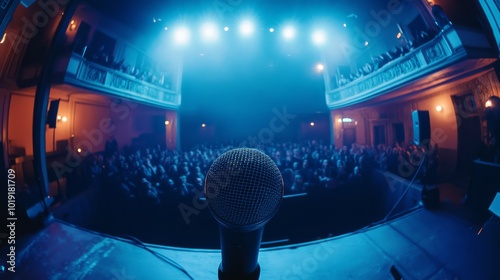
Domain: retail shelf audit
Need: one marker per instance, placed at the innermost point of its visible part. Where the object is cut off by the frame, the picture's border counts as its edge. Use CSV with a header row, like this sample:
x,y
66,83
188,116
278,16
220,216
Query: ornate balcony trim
x,y
86,74
441,52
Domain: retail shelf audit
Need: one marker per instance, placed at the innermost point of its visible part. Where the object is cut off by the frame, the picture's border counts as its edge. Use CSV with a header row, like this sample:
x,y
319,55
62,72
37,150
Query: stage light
x,y
318,37
209,31
366,43
488,104
203,125
246,28
312,123
320,67
64,119
181,35
271,30
59,118
289,32
226,28
345,25
167,122
79,150
439,108
339,120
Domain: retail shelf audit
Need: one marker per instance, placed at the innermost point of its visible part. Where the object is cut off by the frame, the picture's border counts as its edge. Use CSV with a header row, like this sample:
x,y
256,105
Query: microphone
x,y
244,189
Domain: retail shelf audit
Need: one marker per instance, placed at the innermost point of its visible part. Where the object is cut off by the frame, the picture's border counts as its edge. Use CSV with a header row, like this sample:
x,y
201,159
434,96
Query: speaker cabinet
x,y
52,113
421,127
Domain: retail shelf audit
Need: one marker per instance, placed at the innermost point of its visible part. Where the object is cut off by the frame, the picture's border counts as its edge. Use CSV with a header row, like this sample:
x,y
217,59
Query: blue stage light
x,y
319,37
247,28
182,35
289,32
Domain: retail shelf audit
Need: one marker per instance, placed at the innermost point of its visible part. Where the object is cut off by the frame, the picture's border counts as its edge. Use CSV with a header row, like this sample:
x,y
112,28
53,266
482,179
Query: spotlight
x,y
339,120
345,24
79,150
203,125
366,43
64,119
318,37
320,67
3,38
209,31
246,28
289,32
59,118
167,122
271,30
488,104
226,28
312,123
439,108
181,35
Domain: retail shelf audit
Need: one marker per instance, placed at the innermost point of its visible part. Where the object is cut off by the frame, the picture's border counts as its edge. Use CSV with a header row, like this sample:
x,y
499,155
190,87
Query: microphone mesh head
x,y
244,188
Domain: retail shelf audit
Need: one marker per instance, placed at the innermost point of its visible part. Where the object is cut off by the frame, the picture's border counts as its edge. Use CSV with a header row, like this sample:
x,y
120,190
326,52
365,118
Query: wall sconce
x,y
439,108
72,26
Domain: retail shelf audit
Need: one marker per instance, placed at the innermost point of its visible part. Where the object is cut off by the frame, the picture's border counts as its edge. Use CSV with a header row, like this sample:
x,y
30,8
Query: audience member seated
x,y
151,175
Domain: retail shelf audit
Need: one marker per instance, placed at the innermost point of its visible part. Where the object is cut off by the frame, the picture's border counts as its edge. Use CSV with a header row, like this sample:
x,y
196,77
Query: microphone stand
x,y
240,252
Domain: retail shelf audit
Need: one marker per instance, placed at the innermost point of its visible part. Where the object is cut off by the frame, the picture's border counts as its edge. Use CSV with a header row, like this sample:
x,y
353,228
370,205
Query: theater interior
x,y
382,118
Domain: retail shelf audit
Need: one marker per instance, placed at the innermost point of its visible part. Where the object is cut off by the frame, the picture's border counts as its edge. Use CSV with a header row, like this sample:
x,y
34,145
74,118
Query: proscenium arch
x,y
42,93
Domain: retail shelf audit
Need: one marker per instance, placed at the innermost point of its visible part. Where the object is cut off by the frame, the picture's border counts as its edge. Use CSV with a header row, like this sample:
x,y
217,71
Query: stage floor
x,y
421,245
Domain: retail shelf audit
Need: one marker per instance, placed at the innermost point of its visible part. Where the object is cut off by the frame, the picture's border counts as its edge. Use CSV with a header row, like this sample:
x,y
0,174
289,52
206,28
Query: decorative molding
x,y
444,50
98,77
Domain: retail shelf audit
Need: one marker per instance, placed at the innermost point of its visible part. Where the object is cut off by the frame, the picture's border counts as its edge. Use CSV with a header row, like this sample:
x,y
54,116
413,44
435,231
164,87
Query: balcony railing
x,y
87,74
443,50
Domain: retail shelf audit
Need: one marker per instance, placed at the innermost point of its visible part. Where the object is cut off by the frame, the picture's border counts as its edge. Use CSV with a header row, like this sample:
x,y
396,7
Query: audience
x,y
152,175
381,60
106,58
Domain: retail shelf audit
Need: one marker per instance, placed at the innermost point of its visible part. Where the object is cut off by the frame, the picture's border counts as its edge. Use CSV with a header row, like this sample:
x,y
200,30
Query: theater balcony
x,y
98,55
84,73
452,54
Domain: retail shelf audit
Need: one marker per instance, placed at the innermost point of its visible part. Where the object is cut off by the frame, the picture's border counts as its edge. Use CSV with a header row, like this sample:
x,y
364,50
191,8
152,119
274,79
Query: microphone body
x,y
240,252
244,189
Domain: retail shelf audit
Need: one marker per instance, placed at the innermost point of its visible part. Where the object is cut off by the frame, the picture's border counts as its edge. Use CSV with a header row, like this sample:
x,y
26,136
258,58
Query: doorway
x,y
398,130
469,132
379,135
349,137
